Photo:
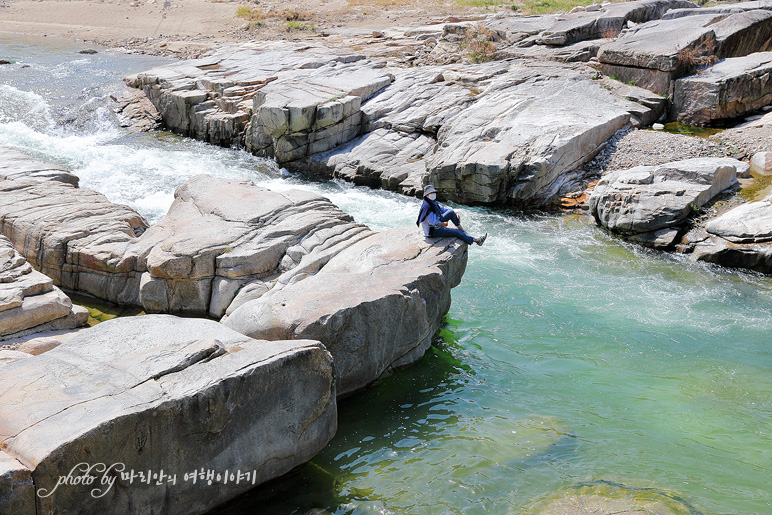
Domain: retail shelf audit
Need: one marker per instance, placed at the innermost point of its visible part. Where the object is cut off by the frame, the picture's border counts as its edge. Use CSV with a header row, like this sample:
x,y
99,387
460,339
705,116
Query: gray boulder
x,y
655,53
29,302
375,305
761,163
208,246
717,9
524,136
607,21
649,204
162,396
729,89
748,223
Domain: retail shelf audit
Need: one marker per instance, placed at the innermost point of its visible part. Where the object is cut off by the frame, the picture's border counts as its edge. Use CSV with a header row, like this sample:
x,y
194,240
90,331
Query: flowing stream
x,y
570,360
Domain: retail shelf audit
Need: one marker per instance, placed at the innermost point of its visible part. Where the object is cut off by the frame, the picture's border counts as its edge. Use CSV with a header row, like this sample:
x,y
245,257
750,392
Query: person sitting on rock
x,y
433,220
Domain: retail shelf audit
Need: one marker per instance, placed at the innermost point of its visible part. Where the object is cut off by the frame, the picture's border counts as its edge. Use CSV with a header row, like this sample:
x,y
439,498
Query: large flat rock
x,y
649,204
656,53
524,134
375,305
159,393
728,89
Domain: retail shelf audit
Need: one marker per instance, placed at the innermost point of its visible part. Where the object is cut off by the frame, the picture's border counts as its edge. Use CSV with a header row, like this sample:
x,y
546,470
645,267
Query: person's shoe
x,y
481,239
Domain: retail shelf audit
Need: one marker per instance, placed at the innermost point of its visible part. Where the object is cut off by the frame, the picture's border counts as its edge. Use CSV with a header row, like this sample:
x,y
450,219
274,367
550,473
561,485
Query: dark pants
x,y
446,232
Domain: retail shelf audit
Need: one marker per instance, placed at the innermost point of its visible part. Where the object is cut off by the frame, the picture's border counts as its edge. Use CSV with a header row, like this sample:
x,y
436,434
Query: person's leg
x,y
449,214
444,232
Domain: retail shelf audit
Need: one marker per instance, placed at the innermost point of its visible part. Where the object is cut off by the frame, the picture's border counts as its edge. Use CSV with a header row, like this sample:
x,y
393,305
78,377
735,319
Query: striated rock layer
x,y
649,204
729,89
161,394
29,301
269,260
512,132
375,305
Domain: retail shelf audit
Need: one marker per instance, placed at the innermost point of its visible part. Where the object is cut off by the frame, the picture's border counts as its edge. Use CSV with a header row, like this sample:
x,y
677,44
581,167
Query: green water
x,y
570,361
691,130
568,357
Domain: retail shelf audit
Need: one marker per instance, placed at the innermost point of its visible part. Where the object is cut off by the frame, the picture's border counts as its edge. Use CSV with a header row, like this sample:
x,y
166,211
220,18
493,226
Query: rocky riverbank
x,y
533,123
326,297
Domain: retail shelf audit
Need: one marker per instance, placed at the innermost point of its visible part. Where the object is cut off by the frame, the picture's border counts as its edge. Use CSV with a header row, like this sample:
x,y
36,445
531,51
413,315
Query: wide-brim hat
x,y
429,189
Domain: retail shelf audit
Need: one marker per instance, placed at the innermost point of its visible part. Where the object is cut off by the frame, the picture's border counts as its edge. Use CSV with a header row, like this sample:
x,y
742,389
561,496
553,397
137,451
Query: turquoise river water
x,y
570,361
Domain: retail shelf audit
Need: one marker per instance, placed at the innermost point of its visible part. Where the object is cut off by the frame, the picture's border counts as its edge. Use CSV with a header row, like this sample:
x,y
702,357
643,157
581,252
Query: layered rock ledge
x,y
160,395
29,301
282,265
649,204
512,132
517,131
740,238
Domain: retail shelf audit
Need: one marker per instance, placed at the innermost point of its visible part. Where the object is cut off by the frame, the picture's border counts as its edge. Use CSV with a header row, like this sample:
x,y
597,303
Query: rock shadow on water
x,y
602,497
409,434
367,420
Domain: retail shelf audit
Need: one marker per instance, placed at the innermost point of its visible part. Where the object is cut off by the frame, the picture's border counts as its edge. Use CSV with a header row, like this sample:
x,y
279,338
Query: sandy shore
x,y
186,28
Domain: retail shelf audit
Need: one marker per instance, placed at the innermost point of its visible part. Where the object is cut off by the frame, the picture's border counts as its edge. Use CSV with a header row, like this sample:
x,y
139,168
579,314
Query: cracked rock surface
x,y
160,392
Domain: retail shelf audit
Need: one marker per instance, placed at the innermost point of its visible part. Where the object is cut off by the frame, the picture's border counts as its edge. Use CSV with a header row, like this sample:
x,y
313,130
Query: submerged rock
x,y
649,204
602,497
166,395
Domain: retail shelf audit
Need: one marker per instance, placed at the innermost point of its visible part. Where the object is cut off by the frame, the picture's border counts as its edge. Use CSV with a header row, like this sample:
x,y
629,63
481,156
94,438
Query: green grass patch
x,y
296,25
249,13
551,6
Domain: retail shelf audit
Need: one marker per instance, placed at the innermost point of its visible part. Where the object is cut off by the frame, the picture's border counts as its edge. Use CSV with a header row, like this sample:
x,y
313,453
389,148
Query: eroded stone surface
x,y
375,305
156,393
649,203
29,302
729,89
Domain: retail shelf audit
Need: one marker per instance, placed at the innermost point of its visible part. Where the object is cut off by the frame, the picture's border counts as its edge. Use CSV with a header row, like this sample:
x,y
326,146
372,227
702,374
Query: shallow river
x,y
570,361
